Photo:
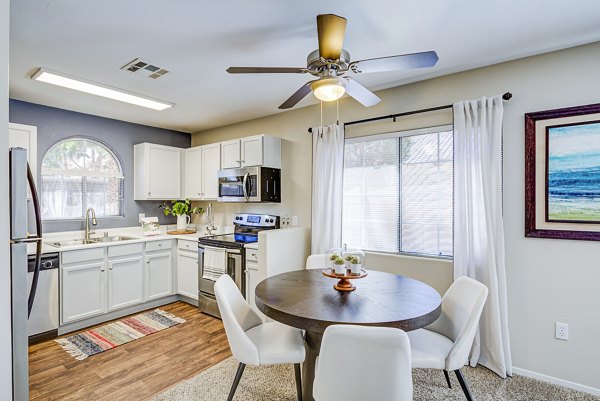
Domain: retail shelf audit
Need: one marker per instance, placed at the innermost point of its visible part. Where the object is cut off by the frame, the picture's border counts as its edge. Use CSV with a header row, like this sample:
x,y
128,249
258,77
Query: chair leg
x,y
236,381
463,384
298,381
447,378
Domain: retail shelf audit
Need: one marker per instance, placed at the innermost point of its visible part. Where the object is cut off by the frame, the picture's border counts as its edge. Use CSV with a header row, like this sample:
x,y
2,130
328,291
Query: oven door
x,y
239,185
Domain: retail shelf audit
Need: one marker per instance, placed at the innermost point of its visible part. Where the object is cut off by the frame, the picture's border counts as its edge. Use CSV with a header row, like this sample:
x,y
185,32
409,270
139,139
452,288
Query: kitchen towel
x,y
214,264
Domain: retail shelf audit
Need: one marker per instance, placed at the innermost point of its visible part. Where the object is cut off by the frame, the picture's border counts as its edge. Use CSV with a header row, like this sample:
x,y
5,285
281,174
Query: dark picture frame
x,y
532,186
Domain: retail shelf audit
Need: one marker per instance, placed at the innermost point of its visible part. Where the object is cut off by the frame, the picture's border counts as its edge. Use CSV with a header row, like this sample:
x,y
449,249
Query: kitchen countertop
x,y
127,231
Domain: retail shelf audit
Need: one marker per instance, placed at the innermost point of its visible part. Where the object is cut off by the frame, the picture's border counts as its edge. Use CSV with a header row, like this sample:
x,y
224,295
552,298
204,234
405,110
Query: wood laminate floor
x,y
134,371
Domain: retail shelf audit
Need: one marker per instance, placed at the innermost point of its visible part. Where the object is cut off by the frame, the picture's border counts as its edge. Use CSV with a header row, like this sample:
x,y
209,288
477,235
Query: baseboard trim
x,y
556,380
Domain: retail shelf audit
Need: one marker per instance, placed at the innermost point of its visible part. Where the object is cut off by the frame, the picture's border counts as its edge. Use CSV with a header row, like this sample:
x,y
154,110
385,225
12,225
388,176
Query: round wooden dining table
x,y
307,300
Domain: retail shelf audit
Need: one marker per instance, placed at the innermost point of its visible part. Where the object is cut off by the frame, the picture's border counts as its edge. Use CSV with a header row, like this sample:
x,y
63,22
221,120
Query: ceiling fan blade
x,y
360,93
266,70
331,30
296,97
394,63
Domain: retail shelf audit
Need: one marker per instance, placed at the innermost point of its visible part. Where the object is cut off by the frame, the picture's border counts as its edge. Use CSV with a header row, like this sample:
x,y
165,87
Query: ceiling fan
x,y
330,62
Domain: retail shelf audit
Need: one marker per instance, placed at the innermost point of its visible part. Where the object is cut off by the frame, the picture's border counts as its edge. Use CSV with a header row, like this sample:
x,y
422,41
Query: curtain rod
x,y
506,96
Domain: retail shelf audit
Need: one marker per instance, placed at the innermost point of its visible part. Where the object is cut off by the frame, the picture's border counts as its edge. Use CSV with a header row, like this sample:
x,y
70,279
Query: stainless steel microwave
x,y
250,184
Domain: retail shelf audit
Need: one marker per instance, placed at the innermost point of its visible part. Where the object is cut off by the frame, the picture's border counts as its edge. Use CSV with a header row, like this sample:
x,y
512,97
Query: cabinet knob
x,y
149,193
110,267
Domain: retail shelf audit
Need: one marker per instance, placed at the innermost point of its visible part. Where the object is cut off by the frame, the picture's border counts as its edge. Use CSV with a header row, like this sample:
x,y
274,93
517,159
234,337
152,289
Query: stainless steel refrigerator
x,y
22,299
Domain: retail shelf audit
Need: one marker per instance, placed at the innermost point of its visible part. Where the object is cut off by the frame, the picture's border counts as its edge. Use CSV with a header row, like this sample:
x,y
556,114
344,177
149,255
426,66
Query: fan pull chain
x,y
321,119
337,108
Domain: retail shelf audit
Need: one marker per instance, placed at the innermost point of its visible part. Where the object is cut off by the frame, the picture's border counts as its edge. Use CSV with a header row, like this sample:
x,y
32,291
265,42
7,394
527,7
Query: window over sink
x,y
398,192
78,173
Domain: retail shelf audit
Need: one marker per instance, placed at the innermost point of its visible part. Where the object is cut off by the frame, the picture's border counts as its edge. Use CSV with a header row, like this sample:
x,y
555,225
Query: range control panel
x,y
256,220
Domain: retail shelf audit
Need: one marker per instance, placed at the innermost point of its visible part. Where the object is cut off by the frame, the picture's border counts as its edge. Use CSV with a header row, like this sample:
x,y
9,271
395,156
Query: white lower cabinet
x,y
159,275
125,282
96,281
251,282
83,291
187,274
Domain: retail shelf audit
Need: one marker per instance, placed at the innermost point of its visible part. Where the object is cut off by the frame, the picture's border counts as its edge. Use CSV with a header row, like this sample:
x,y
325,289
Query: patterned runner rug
x,y
111,335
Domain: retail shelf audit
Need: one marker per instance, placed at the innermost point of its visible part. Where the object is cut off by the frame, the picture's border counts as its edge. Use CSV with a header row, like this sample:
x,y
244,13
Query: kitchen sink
x,y
115,238
75,242
72,242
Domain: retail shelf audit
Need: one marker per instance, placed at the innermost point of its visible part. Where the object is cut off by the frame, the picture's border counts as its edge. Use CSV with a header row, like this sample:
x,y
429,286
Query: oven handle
x,y
245,186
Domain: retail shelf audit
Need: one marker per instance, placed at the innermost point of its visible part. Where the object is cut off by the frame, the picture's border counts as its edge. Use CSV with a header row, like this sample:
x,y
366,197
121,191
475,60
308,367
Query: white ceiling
x,y
198,40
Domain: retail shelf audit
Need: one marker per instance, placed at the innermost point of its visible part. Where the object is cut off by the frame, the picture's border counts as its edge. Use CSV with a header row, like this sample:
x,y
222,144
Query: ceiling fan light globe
x,y
328,90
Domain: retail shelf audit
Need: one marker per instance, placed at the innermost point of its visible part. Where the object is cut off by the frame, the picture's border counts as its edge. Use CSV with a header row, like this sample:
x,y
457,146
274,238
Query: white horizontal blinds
x,y
370,205
398,193
78,173
426,196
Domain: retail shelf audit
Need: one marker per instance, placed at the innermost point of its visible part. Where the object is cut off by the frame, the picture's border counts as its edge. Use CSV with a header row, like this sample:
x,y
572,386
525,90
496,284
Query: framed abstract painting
x,y
562,173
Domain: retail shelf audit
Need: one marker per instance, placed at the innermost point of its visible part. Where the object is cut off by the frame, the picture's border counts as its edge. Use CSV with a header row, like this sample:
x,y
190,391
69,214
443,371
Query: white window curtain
x,y
478,227
327,183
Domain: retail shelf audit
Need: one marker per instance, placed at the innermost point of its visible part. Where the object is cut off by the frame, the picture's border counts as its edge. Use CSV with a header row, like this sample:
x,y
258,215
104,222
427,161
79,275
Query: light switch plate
x,y
141,216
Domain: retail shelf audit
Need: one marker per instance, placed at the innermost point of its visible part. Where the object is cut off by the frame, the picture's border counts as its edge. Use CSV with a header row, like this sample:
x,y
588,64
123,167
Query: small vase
x,y
182,221
355,268
340,269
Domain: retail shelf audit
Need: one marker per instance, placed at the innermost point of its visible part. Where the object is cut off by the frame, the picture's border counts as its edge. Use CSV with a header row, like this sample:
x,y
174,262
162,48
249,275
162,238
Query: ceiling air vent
x,y
141,67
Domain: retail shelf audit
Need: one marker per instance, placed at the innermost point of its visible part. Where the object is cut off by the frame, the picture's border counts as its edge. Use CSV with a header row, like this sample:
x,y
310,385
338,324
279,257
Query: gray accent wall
x,y
55,124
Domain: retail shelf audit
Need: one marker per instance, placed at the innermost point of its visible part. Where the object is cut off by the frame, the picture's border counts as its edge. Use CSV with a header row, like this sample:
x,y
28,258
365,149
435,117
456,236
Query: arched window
x,y
78,173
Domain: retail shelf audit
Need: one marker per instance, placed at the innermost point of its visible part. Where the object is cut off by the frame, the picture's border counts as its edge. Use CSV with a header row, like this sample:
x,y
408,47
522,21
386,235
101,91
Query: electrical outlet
x,y
285,221
141,216
562,331
294,221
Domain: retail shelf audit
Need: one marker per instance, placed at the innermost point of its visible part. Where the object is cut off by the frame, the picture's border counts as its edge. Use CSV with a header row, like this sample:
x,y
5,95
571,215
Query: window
x,y
398,193
78,173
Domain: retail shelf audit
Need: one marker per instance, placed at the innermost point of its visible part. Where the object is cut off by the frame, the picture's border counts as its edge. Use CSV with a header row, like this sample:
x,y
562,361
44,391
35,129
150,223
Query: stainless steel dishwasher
x,y
43,321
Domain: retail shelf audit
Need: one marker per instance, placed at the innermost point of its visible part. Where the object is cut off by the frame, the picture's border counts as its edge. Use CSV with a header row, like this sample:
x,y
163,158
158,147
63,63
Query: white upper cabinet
x,y
157,172
257,150
230,154
200,173
192,188
211,164
25,136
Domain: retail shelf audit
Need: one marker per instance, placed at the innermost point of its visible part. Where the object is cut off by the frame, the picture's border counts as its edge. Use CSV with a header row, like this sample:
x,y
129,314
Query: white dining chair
x,y
446,343
359,363
317,261
253,342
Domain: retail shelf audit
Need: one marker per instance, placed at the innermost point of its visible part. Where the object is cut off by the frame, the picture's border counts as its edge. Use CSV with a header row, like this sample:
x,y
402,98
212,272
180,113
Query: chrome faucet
x,y
87,222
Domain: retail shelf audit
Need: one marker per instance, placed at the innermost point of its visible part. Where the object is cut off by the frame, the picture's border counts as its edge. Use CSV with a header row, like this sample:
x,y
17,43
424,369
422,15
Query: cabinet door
x,y
125,282
252,151
164,172
83,289
25,136
251,282
159,275
193,173
211,163
230,154
187,274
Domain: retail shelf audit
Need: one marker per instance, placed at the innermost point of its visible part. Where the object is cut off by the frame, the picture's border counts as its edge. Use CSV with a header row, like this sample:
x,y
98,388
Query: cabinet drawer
x,y
158,245
122,250
252,255
82,255
187,245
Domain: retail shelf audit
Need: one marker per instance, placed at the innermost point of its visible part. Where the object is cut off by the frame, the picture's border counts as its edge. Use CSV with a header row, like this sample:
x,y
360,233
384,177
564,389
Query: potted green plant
x,y
338,264
182,210
354,263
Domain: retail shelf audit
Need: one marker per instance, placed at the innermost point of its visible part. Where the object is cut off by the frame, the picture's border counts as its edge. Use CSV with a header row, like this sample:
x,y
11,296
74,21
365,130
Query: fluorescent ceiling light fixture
x,y
78,84
329,89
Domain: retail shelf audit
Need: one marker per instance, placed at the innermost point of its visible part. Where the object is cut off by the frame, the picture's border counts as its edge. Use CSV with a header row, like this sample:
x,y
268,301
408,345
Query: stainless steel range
x,y
225,254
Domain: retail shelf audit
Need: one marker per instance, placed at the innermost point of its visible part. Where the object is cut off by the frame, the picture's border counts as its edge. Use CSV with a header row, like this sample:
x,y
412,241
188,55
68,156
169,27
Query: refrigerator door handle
x,y
38,237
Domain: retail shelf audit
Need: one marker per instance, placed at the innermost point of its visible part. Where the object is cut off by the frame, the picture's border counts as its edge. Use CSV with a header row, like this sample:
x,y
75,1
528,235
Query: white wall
x,y
5,328
548,280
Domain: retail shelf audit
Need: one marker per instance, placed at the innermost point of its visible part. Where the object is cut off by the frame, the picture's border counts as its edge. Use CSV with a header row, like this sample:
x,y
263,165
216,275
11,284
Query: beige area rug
x,y
274,383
